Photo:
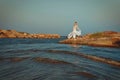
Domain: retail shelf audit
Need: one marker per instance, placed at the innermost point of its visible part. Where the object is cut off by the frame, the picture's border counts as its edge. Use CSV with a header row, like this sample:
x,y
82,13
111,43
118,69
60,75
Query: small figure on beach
x,y
76,31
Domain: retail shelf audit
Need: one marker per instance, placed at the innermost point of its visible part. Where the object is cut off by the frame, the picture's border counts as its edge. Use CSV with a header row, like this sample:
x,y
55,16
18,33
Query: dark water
x,y
45,59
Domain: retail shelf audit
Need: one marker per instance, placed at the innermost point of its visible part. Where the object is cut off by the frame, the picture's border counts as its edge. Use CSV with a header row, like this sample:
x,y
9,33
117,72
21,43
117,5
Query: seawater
x,y
18,61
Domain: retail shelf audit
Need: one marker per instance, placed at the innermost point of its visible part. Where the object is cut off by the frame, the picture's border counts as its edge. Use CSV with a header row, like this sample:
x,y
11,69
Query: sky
x,y
58,16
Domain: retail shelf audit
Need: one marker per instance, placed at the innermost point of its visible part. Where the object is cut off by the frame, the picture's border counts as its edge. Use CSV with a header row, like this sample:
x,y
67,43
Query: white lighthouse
x,y
76,31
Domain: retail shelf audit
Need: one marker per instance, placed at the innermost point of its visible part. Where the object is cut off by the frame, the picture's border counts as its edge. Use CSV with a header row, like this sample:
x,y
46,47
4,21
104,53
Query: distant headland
x,y
16,34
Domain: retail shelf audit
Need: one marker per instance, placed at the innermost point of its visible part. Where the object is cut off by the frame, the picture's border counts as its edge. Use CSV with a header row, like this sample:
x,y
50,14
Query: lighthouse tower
x,y
76,31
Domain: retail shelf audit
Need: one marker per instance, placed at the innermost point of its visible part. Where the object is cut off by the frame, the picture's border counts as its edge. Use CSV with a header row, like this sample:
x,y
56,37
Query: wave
x,y
91,70
91,57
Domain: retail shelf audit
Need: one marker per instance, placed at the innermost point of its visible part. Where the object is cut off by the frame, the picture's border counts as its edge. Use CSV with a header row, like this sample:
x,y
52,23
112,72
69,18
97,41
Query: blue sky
x,y
58,16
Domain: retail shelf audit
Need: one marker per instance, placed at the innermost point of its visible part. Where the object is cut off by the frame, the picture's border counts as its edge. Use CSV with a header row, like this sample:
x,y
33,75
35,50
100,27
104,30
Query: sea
x,y
46,59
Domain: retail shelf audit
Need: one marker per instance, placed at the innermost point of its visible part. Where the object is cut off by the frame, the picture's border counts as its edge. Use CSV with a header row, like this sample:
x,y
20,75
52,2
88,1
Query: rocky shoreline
x,y
102,39
15,34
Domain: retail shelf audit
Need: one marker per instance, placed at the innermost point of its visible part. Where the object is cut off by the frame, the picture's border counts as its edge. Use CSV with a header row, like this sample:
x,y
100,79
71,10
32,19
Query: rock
x,y
103,39
15,34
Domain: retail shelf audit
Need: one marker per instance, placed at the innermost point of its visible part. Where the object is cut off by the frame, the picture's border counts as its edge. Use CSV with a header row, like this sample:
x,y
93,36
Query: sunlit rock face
x,y
15,34
76,31
100,39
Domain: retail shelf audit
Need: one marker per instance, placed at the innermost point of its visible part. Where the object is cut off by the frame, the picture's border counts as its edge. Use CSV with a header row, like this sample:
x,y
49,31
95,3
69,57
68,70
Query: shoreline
x,y
16,34
101,39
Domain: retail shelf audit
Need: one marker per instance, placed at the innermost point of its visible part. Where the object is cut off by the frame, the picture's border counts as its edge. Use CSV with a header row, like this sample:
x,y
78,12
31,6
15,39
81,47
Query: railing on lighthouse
x,y
76,31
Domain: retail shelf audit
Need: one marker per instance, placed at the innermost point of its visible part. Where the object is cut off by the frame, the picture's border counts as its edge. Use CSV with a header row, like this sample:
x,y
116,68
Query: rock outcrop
x,y
15,34
104,39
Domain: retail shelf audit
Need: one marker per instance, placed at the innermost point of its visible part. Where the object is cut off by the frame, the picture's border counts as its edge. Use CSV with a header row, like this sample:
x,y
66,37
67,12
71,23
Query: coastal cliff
x,y
103,39
15,34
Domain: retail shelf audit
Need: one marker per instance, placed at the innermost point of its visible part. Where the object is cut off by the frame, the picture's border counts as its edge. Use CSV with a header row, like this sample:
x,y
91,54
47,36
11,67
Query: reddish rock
x,y
105,39
15,34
